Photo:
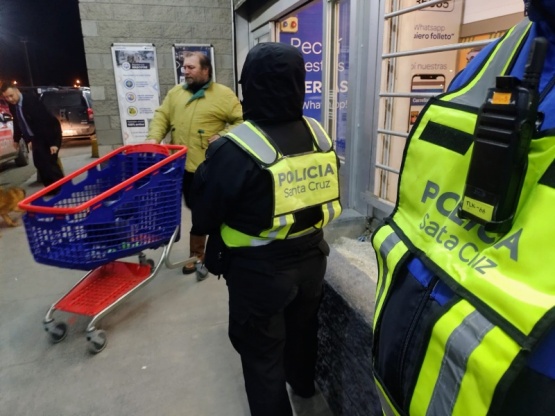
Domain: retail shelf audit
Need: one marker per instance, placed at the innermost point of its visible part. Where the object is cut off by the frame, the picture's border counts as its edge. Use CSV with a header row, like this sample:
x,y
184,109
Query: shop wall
x,y
482,21
161,22
476,10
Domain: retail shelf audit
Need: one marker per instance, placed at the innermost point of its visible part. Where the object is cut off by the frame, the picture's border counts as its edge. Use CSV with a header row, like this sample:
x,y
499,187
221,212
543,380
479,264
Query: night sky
x,y
54,42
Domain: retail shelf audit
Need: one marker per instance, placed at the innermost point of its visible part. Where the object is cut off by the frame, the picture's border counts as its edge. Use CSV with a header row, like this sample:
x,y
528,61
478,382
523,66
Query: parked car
x,y
7,150
73,108
4,107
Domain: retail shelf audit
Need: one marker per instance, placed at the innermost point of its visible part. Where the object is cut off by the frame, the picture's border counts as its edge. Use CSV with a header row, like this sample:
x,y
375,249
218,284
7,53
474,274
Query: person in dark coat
x,y
274,278
34,124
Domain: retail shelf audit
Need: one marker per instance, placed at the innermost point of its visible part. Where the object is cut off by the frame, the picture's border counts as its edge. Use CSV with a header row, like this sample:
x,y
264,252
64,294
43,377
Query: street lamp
x,y
24,40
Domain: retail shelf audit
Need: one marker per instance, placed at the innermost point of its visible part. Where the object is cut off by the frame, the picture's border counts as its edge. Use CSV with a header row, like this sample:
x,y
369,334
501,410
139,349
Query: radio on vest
x,y
506,124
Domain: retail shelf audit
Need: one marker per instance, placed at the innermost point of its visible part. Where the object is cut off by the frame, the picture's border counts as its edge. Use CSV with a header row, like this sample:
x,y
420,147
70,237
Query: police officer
x,y
465,321
263,195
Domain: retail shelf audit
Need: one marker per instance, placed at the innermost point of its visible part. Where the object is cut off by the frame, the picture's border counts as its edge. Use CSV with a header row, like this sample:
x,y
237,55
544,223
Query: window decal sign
x,y
435,25
303,30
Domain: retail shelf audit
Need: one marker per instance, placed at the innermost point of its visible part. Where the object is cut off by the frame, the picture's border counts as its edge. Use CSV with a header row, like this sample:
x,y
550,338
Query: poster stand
x,y
137,88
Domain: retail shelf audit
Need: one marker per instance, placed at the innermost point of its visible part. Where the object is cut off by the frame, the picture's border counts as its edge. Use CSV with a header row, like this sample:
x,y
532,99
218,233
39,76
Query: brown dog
x,y
9,198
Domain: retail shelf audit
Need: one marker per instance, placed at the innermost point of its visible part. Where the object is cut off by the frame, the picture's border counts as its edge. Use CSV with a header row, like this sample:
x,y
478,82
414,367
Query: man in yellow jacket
x,y
195,114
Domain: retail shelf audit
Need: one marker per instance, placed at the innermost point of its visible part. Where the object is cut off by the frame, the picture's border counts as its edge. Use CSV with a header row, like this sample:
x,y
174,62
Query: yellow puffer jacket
x,y
193,118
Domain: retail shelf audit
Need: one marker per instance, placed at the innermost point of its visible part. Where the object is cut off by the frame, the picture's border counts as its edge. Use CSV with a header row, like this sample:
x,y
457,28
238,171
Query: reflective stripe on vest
x,y
464,343
475,92
387,406
322,139
234,238
330,212
505,281
390,250
300,182
253,142
248,137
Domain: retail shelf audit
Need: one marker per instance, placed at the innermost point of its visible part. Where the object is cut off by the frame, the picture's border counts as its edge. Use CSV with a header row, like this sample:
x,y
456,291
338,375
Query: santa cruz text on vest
x,y
301,179
473,253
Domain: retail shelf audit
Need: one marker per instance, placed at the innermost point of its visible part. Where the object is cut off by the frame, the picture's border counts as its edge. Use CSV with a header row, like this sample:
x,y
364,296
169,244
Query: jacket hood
x,y
543,13
273,83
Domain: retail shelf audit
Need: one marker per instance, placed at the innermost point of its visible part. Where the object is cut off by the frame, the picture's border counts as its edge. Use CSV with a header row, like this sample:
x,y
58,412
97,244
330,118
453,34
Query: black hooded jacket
x,y
229,186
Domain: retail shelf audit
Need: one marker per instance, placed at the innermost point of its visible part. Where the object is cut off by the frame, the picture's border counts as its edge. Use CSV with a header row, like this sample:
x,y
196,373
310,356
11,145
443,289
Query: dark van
x,y
73,108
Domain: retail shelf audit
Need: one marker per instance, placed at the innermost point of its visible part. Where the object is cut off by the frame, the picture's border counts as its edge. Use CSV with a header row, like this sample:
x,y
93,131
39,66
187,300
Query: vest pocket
x,y
416,300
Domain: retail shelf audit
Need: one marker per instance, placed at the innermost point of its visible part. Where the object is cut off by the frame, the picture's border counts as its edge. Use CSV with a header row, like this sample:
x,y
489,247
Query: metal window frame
x,y
379,207
366,39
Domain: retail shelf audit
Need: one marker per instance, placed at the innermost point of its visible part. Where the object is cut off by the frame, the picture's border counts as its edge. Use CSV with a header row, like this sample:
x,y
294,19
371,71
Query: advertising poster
x,y
436,25
138,91
179,51
303,30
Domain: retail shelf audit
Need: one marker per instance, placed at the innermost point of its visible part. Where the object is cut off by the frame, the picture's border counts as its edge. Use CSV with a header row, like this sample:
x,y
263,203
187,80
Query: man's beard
x,y
195,85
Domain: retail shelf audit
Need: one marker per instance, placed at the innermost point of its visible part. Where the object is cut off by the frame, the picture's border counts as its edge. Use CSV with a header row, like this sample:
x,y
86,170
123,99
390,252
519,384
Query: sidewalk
x,y
167,354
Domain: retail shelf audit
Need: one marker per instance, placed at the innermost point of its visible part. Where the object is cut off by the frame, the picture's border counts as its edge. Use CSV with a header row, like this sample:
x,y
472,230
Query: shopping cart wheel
x,y
97,341
56,331
144,260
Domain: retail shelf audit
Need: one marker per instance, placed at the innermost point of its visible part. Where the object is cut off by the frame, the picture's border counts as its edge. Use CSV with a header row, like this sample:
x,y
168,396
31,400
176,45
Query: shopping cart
x,y
121,204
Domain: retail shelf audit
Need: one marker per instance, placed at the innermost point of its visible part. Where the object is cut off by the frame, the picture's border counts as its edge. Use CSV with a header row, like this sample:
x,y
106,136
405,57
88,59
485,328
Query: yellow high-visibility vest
x,y
503,287
299,181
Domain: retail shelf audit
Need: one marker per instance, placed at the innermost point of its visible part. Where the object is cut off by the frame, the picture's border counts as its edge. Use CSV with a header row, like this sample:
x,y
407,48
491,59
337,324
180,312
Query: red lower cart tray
x,y
103,287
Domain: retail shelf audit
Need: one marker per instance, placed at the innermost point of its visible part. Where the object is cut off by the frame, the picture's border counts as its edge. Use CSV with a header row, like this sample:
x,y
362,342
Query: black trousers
x,y
187,188
46,163
273,325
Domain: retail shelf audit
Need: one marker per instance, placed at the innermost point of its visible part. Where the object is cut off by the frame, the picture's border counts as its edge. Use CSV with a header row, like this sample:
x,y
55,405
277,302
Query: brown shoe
x,y
189,268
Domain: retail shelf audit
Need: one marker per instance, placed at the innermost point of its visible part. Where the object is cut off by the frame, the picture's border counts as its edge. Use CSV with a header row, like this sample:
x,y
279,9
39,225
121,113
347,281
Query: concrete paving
x,y
167,354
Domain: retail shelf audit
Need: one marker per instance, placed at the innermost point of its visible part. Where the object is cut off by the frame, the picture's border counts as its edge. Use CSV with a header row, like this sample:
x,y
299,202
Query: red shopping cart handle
x,y
165,149
149,148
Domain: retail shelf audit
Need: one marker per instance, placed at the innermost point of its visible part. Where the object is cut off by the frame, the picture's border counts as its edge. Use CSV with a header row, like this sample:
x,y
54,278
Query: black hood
x,y
543,13
272,83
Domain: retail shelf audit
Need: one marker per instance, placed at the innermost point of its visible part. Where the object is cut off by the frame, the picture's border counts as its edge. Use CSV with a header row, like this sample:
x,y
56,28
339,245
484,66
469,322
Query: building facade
x,y
161,23
371,65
